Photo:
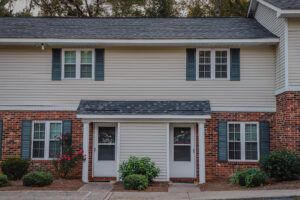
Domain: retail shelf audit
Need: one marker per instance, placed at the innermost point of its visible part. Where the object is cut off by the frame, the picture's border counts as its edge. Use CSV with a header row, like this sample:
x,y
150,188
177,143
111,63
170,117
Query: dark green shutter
x,y
1,127
264,132
235,64
67,131
99,64
190,64
222,141
56,64
26,139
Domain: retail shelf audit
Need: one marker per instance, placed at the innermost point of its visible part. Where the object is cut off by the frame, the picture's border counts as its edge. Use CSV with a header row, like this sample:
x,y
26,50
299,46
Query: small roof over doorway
x,y
144,109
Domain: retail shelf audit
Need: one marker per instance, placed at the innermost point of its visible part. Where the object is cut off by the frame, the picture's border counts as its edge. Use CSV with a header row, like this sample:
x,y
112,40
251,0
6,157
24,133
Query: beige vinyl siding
x,y
145,140
294,52
135,74
267,17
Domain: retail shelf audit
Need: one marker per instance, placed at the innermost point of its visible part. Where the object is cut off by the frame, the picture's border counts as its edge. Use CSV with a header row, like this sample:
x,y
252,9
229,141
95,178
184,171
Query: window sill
x,y
208,79
254,162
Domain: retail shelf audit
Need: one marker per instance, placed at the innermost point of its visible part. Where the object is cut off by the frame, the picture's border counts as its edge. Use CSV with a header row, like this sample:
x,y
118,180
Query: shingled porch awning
x,y
92,109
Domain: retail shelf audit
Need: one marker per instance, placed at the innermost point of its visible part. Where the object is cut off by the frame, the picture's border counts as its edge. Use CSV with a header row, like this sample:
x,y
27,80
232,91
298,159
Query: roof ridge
x,y
72,17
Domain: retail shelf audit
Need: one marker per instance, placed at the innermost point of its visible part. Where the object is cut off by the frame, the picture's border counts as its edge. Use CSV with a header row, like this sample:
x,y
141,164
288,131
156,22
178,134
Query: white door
x,y
104,156
182,151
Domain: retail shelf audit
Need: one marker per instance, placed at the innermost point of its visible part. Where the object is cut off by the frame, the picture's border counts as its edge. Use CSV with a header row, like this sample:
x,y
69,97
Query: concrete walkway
x,y
102,191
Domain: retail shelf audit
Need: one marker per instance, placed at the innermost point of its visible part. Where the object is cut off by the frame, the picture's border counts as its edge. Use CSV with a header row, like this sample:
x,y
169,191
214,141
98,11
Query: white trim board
x,y
143,116
243,109
39,108
213,108
135,42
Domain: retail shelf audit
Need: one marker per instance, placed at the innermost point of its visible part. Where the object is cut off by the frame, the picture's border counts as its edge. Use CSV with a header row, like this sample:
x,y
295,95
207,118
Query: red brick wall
x,y
285,128
215,169
288,121
12,129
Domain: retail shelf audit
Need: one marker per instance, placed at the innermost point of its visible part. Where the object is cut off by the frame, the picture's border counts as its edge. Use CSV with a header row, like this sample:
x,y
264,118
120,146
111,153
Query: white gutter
x,y
83,116
142,42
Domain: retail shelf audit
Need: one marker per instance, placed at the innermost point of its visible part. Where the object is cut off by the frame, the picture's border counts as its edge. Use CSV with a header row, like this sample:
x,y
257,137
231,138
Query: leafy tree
x,y
232,8
161,8
127,8
6,8
228,8
199,8
75,8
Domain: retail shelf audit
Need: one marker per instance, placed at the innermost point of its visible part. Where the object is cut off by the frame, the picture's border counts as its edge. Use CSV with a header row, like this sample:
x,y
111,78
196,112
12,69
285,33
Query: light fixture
x,y
43,46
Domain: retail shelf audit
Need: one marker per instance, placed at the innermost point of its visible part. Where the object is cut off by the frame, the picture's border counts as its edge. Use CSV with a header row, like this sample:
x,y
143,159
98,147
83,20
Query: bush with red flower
x,y
70,158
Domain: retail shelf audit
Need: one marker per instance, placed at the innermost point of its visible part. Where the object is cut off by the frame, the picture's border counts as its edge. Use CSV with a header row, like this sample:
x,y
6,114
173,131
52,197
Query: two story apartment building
x,y
200,96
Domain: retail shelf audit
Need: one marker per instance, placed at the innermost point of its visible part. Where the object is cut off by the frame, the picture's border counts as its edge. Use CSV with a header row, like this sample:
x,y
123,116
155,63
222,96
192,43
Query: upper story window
x,y
213,64
243,141
45,142
78,64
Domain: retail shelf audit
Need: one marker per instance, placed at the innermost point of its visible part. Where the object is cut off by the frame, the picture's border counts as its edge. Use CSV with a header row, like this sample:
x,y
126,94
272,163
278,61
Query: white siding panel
x,y
145,140
294,52
267,17
135,74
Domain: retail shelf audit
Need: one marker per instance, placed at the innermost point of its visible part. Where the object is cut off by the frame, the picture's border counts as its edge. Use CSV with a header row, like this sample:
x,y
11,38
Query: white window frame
x,y
243,142
213,63
78,64
47,138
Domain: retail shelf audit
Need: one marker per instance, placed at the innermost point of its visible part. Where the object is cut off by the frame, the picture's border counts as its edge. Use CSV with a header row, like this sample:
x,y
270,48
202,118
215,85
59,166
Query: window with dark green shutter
x,y
26,139
190,64
56,64
222,141
235,64
67,131
45,139
243,141
264,128
99,64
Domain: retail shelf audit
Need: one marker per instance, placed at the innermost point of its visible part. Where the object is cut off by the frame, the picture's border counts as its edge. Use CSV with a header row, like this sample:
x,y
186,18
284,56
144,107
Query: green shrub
x,y
135,182
248,178
142,166
3,180
256,178
15,168
37,179
281,165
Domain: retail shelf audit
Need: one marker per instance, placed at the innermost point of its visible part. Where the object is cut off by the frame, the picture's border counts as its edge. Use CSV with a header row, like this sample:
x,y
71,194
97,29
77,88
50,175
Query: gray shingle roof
x,y
285,4
144,107
132,28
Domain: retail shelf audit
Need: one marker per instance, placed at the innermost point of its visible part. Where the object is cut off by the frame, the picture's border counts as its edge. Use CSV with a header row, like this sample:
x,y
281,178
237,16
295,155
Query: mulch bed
x,y
155,187
58,184
224,185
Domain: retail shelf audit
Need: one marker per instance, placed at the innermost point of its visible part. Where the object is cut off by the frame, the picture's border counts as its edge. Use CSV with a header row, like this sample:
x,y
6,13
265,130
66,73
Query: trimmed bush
x,y
281,165
37,179
135,182
15,168
256,178
248,178
3,180
142,166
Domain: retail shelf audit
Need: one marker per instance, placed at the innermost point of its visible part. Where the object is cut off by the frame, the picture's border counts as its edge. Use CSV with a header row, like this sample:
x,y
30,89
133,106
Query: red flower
x,y
59,138
66,138
51,154
76,162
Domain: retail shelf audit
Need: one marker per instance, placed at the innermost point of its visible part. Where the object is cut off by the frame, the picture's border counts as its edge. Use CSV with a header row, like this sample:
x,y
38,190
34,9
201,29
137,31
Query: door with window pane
x,y
105,152
182,151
